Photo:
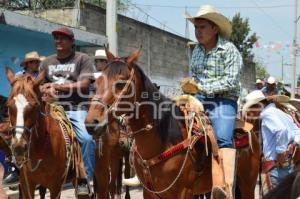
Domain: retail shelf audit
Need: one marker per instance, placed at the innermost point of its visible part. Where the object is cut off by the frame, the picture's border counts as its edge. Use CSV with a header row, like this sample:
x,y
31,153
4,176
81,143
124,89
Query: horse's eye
x,y
120,85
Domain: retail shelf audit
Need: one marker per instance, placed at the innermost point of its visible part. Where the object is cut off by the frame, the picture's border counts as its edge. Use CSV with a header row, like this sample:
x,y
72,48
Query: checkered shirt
x,y
217,71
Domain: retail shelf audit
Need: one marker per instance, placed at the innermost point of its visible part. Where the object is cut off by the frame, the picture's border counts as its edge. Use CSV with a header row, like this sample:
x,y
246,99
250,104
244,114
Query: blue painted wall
x,y
14,44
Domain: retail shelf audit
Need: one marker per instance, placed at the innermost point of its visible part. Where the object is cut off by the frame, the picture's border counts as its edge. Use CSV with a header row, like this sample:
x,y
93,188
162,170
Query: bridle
x,y
29,130
111,108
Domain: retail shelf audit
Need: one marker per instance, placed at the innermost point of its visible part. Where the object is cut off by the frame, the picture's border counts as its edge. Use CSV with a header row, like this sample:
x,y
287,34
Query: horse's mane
x,y
3,108
284,189
164,121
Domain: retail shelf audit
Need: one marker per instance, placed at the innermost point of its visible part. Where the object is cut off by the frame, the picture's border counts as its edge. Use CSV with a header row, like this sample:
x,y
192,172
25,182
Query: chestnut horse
x,y
109,162
37,142
168,162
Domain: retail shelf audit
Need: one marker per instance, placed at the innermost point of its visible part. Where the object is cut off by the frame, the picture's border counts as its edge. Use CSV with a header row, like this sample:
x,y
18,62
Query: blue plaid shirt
x,y
217,71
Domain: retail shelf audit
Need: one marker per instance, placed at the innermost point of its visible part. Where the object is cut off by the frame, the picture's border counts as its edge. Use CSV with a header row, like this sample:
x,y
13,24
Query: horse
x,y
288,188
110,152
169,161
39,143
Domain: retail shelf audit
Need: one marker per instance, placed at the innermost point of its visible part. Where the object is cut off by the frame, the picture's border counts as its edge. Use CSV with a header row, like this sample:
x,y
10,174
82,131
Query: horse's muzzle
x,y
97,128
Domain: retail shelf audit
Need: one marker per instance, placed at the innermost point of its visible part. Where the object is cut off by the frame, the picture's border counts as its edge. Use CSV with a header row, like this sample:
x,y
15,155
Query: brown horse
x,y
109,162
169,163
38,142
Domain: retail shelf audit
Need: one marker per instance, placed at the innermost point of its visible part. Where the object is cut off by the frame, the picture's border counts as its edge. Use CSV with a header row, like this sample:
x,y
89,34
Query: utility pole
x,y
281,68
294,71
111,26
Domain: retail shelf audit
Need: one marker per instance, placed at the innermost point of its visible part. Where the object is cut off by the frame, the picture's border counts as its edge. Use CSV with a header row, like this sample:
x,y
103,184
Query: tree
x,y
52,4
240,37
261,72
245,42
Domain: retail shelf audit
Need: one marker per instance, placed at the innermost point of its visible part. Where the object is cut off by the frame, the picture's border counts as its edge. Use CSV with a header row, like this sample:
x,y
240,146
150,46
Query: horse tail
x,y
284,188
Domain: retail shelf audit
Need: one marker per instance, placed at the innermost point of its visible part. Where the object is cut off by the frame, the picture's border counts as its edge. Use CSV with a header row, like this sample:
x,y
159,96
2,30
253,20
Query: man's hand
x,y
49,92
282,159
189,86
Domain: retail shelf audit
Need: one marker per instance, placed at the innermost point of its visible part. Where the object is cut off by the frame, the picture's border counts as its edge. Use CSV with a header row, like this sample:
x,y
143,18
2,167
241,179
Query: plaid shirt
x,y
217,71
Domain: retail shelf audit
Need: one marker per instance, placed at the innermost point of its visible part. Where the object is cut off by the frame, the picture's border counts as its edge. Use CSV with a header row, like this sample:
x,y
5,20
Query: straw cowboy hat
x,y
31,56
257,96
258,81
100,54
212,14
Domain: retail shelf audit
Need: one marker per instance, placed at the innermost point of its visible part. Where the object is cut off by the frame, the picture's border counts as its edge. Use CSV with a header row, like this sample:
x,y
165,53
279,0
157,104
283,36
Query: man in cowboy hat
x,y
30,64
215,66
278,130
259,84
100,59
69,74
271,87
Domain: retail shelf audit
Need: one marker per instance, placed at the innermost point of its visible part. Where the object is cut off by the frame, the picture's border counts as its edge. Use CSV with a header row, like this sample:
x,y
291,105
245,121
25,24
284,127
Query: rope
x,y
174,181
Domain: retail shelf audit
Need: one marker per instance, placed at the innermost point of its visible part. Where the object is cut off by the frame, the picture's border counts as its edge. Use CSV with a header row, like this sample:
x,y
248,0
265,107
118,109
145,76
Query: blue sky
x,y
271,20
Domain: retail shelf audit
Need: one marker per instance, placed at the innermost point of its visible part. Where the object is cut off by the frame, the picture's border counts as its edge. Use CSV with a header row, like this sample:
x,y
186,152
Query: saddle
x,y
242,134
73,150
196,120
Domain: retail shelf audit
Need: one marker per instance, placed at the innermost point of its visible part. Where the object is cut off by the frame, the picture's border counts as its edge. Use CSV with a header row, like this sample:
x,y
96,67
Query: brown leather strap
x,y
213,141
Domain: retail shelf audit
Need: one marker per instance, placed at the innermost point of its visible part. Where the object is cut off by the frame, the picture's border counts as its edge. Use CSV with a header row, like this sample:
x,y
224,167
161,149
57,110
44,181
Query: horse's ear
x,y
109,55
10,74
40,78
133,57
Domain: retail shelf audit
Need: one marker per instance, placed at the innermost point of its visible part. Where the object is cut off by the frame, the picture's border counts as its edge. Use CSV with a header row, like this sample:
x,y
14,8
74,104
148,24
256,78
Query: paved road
x,y
68,193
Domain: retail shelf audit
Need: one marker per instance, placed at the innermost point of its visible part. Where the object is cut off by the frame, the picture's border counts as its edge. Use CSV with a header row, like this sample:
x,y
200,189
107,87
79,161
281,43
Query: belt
x,y
268,165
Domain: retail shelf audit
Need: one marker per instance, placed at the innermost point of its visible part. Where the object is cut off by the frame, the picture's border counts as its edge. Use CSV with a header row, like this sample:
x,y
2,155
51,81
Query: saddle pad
x,y
190,102
58,113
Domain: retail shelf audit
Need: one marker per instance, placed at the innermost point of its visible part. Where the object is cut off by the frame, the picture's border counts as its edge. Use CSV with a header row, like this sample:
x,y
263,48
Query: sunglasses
x,y
33,61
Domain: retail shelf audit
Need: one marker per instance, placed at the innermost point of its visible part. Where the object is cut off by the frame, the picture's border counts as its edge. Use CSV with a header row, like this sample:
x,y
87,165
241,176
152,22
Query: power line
x,y
220,7
156,20
271,18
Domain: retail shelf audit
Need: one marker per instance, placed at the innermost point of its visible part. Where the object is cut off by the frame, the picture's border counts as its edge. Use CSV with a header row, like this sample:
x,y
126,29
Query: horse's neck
x,y
147,142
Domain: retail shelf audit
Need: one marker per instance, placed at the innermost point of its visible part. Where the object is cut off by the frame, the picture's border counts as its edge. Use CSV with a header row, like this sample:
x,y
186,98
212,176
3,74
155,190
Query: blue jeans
x,y
277,174
222,113
87,143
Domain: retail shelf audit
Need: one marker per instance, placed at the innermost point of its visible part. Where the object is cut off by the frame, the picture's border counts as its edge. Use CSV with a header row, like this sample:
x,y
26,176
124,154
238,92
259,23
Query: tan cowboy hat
x,y
31,56
257,96
100,54
212,14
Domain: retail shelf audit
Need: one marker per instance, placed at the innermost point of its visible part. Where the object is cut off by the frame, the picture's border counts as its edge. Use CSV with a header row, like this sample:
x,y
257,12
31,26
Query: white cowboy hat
x,y
212,14
257,96
271,80
31,56
100,54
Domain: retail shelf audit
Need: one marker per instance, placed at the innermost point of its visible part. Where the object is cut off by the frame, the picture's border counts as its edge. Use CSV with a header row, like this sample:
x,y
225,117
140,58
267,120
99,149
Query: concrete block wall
x,y
164,55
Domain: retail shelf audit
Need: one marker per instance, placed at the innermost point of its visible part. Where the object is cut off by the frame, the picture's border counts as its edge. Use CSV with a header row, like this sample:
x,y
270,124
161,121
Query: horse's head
x,y
23,106
116,91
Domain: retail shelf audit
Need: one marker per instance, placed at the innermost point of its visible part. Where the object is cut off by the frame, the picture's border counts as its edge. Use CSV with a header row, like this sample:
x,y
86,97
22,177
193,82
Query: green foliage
x,y
241,38
123,5
261,72
245,42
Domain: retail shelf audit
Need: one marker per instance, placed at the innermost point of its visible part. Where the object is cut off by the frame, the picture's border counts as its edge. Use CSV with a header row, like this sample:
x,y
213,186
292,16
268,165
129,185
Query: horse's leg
x,y
55,192
27,187
102,175
114,168
127,172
